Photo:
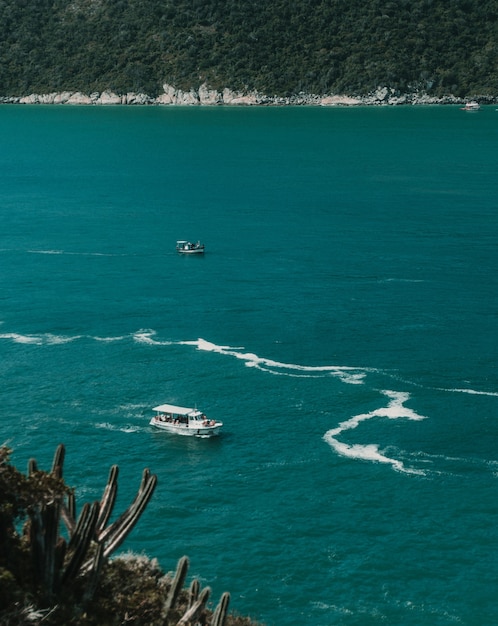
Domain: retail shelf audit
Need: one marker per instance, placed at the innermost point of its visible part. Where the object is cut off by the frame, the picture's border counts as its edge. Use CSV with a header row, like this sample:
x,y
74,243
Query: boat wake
x,y
121,429
395,409
68,253
471,392
347,374
147,336
38,340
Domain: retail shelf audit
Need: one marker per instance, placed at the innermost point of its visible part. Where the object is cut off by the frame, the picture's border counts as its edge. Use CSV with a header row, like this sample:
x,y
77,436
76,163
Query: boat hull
x,y
191,430
200,251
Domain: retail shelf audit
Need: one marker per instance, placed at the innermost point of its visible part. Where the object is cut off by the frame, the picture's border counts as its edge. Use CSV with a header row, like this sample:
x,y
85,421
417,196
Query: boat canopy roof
x,y
178,410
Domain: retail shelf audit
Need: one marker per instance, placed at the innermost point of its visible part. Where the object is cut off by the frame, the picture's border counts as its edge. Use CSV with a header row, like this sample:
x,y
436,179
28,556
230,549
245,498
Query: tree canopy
x,y
281,47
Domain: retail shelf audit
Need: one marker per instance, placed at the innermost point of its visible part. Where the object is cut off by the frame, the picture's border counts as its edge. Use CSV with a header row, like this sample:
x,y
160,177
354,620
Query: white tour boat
x,y
184,421
471,106
187,247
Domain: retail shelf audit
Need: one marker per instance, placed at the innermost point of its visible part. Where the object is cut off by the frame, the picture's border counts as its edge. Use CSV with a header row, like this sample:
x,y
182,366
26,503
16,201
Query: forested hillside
x,y
279,47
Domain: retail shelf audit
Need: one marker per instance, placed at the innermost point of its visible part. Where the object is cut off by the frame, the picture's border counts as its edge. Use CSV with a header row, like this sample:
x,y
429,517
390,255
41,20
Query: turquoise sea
x,y
343,324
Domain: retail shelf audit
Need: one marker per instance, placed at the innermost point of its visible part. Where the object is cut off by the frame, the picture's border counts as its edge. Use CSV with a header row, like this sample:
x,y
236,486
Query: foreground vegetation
x,y
54,578
281,47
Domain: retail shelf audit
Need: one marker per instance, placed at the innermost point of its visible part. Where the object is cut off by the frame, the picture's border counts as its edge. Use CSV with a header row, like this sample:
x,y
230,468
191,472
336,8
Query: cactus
x,y
55,563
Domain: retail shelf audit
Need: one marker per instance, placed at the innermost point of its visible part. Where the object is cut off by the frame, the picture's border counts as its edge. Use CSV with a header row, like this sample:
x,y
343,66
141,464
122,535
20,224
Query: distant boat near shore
x,y
187,247
471,106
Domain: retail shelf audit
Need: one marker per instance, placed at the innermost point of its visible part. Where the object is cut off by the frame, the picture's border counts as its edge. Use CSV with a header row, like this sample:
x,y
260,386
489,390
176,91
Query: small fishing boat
x,y
187,247
471,106
184,421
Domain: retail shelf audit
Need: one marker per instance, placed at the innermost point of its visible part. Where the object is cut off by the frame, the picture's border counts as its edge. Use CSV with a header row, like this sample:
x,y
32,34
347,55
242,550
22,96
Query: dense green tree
x,y
279,47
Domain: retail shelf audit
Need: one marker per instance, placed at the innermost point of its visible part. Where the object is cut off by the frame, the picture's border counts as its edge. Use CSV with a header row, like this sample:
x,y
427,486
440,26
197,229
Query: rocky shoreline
x,y
204,96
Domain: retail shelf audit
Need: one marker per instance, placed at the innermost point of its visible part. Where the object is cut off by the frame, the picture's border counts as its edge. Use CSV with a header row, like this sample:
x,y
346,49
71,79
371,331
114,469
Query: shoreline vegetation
x,y
204,96
234,52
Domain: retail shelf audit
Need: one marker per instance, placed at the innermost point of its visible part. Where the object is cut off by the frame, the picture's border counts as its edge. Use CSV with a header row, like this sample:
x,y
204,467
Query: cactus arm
x,y
71,504
58,461
106,532
193,592
176,585
114,535
95,567
82,520
51,516
220,613
43,538
68,519
80,541
195,610
108,498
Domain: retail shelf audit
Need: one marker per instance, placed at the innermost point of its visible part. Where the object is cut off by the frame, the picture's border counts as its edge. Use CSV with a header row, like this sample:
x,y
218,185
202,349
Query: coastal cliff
x,y
204,96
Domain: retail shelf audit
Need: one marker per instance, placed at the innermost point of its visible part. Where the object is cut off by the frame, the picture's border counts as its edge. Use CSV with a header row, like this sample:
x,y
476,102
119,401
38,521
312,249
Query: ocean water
x,y
342,324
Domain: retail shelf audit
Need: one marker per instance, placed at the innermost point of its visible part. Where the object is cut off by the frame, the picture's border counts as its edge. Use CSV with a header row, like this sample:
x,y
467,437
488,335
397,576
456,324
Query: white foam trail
x,y
347,374
395,409
75,253
59,339
146,336
276,373
28,339
38,340
471,392
350,375
109,339
401,280
117,428
46,251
